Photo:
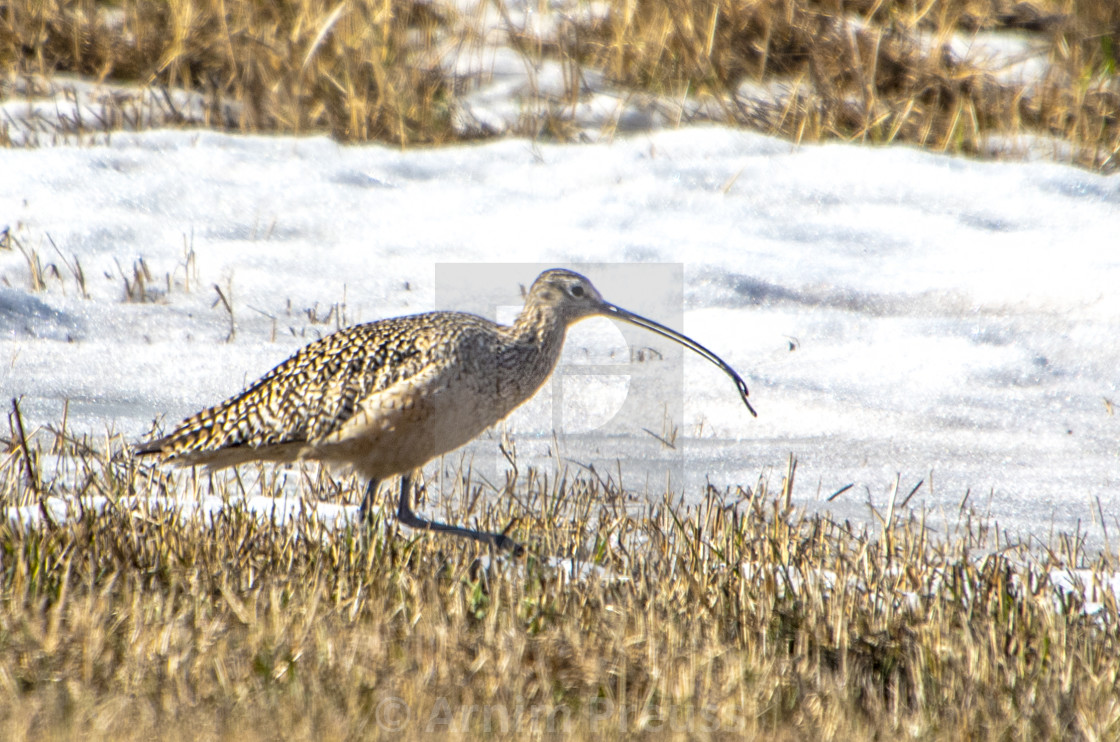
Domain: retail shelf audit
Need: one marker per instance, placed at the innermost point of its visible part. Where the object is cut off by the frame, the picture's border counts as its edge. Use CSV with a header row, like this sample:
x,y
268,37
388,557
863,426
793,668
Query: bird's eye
x,y
577,291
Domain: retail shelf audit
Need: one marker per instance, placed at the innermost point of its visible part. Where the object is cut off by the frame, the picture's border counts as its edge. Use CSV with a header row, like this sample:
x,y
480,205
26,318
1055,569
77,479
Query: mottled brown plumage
x,y
389,396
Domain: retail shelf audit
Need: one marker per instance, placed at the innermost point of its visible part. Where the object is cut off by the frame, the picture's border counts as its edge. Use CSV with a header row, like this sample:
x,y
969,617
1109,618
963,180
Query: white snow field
x,y
899,316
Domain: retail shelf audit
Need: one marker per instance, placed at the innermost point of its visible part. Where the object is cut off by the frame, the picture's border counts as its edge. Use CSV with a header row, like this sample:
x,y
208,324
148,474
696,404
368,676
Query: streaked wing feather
x,y
309,396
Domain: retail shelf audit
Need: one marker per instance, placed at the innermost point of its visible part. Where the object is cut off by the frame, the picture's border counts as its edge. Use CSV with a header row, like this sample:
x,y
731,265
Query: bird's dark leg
x,y
412,520
365,511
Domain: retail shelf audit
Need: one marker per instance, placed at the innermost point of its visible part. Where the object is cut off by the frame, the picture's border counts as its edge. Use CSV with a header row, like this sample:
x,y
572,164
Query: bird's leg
x,y
412,520
365,511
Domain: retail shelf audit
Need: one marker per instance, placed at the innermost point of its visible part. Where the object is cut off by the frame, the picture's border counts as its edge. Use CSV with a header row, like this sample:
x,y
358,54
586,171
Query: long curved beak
x,y
610,310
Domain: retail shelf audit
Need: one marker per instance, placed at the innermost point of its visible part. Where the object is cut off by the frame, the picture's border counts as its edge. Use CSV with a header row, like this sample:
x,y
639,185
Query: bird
x,y
388,396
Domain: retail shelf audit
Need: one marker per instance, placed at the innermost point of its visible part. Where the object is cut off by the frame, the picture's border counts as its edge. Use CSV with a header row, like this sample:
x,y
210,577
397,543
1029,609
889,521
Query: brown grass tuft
x,y
133,620
874,72
356,69
811,70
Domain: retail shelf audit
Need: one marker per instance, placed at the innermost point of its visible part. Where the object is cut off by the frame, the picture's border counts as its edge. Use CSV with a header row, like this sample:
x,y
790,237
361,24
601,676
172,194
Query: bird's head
x,y
568,294
569,297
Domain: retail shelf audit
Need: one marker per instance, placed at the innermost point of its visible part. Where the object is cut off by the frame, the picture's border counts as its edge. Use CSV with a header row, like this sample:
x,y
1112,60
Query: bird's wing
x,y
307,397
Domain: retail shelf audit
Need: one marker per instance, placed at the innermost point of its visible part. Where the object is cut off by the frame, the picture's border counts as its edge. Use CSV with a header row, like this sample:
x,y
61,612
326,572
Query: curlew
x,y
387,397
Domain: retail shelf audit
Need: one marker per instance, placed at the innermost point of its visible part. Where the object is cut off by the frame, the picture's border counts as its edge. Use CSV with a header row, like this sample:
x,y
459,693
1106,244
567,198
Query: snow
x,y
951,321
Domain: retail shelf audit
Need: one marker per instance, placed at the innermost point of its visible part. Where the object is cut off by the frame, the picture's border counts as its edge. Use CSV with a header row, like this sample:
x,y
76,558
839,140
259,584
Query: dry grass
x,y
878,71
875,71
717,621
354,69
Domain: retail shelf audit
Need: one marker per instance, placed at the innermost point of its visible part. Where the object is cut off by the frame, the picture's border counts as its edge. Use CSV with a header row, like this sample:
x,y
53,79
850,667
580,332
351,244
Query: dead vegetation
x,y
878,72
812,70
742,617
353,69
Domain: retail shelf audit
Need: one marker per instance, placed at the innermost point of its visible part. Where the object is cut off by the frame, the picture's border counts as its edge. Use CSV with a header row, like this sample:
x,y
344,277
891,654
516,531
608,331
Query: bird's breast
x,y
437,410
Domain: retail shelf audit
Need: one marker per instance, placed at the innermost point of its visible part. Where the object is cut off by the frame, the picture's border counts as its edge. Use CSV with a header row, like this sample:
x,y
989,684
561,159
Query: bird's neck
x,y
532,347
537,324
